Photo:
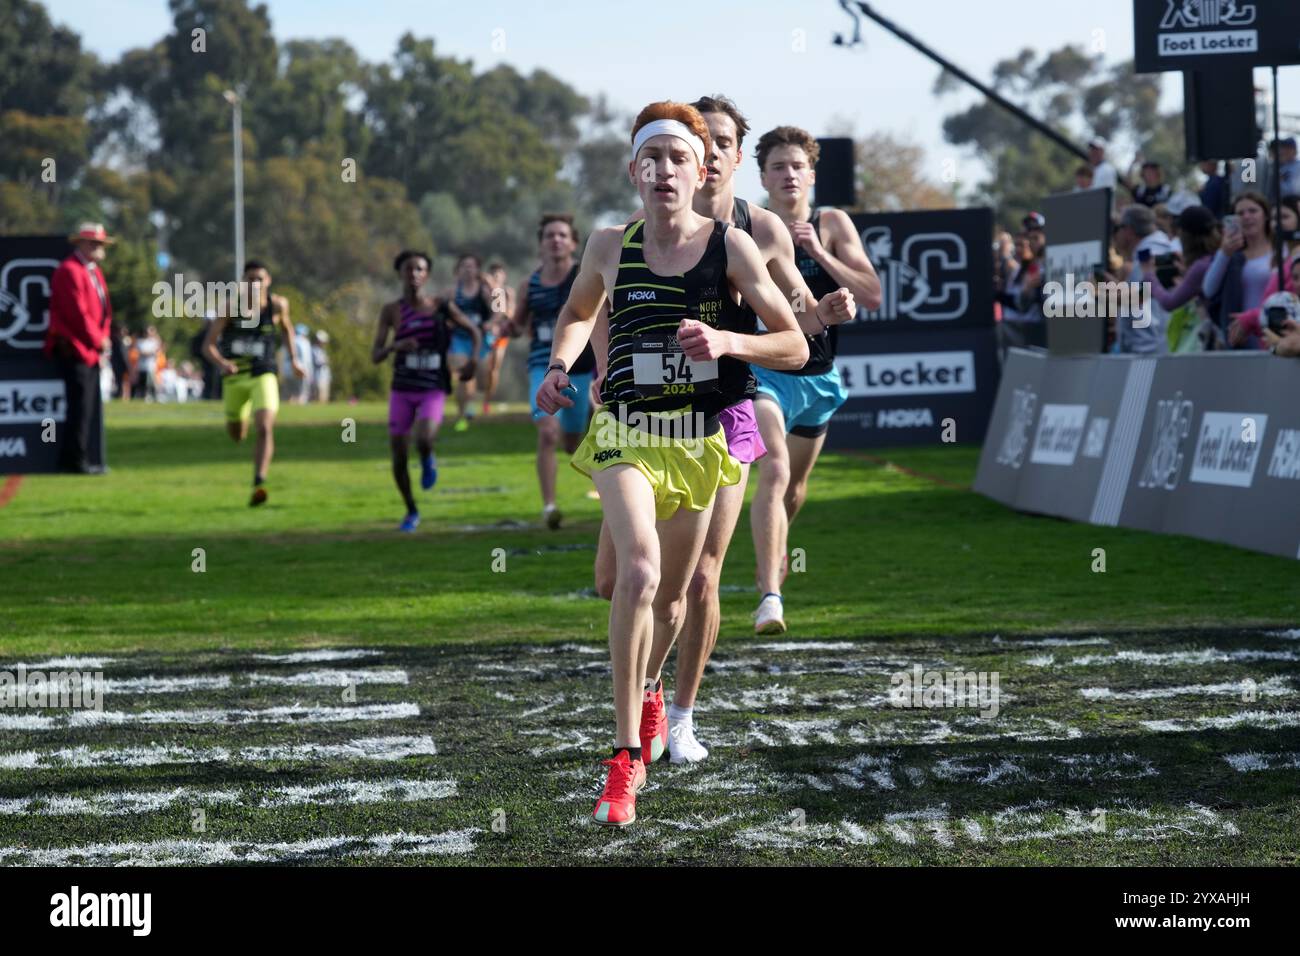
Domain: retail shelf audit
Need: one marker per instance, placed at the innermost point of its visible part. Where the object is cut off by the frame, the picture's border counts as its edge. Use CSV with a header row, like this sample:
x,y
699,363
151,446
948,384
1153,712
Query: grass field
x,y
327,689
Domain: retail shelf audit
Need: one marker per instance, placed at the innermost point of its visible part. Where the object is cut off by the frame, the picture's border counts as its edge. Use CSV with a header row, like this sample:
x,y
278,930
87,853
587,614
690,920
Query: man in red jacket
x,y
80,318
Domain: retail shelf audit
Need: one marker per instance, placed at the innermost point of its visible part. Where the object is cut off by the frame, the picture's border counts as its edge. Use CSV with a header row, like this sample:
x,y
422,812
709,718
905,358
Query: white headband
x,y
661,127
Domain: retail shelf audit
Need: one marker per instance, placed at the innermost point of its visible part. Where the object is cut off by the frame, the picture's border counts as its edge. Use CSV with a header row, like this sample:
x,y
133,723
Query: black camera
x,y
1167,269
1276,316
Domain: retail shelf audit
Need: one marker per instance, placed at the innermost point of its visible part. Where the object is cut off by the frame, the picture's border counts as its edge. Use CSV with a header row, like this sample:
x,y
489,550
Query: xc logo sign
x,y
25,302
928,282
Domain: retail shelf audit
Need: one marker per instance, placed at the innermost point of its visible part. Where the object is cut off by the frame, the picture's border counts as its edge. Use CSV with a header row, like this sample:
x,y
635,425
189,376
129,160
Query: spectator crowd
x,y
1209,259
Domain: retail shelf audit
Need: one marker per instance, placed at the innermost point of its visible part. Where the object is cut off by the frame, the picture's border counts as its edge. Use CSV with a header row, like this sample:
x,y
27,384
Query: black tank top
x,y
252,349
425,369
742,220
646,369
821,347
544,305
476,307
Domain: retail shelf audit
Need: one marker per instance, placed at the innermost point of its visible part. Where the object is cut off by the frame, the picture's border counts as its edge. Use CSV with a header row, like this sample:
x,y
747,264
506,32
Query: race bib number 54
x,y
660,369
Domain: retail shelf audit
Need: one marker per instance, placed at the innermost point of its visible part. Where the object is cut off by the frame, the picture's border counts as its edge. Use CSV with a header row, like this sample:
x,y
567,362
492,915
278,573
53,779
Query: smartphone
x,y
1276,316
1231,224
1167,269
1144,256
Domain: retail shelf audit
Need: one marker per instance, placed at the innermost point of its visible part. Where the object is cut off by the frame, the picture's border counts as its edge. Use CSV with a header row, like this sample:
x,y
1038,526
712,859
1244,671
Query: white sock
x,y
680,715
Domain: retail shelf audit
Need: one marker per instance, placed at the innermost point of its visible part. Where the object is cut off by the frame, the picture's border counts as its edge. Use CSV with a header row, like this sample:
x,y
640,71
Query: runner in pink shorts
x,y
421,381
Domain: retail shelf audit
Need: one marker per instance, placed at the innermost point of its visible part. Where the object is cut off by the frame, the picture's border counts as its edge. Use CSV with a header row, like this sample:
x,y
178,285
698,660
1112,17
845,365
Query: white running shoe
x,y
551,515
682,745
770,616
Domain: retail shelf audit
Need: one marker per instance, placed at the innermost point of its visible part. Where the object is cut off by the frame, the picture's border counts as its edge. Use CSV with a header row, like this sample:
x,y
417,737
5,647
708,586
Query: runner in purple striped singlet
x,y
421,333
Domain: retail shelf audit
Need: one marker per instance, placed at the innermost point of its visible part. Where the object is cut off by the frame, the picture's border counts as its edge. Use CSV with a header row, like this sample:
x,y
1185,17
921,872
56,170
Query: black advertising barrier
x,y
928,353
1202,445
31,387
1212,34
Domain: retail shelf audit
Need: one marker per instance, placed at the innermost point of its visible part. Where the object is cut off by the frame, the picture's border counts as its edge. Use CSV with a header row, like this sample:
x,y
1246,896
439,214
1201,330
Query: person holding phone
x,y
1143,330
1239,273
1281,333
1199,234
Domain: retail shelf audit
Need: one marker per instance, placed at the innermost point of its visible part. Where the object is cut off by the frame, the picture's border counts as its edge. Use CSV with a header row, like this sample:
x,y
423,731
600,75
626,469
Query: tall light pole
x,y
236,101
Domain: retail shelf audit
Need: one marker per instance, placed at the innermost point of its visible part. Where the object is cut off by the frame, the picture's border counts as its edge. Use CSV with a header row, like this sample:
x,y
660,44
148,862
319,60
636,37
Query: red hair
x,y
684,113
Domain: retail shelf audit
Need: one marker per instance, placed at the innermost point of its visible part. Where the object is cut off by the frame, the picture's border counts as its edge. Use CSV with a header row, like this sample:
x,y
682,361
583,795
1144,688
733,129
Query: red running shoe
x,y
617,804
654,725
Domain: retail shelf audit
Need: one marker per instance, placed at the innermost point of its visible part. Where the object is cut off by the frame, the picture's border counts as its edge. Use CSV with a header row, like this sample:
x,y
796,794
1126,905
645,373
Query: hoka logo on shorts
x,y
603,456
641,295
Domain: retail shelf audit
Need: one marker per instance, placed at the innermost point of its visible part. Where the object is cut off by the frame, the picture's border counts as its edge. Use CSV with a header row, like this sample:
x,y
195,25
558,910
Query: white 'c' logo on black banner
x,y
25,302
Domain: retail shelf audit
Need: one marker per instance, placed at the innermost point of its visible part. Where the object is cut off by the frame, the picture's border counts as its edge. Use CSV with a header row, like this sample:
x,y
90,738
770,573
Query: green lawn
x,y
105,563
455,715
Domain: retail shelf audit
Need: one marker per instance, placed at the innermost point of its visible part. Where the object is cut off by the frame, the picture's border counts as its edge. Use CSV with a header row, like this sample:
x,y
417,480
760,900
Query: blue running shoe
x,y
428,473
410,522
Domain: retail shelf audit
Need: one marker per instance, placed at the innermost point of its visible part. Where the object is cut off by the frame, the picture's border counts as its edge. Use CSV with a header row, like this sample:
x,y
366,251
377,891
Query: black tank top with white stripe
x,y
425,369
647,371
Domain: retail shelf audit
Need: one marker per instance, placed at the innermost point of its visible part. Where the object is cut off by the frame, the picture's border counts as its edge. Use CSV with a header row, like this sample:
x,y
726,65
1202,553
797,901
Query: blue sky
x,y
636,53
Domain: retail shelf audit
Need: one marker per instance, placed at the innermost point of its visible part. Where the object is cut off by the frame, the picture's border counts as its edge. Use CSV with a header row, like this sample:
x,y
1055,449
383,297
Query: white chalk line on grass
x,y
122,802
192,683
363,748
1210,655
1272,687
63,663
206,853
331,678
789,646
315,657
1263,719
1008,825
1290,635
1052,642
1252,761
211,715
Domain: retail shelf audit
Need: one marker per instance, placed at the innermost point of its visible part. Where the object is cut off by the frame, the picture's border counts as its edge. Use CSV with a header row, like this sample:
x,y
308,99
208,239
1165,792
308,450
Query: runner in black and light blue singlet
x,y
810,396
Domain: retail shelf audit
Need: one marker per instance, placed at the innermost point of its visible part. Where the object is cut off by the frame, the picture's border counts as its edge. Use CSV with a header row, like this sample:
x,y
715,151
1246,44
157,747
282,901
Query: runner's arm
x,y
577,318
784,346
600,350
210,350
846,261
281,305
522,321
380,349
813,315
